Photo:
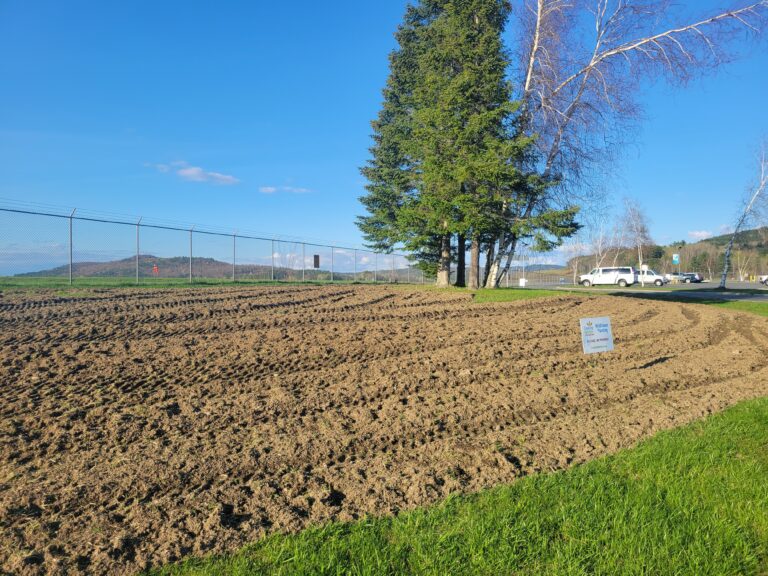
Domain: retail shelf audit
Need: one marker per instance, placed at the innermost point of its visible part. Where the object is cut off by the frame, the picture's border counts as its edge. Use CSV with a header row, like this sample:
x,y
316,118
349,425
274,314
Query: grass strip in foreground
x,y
688,501
760,308
512,294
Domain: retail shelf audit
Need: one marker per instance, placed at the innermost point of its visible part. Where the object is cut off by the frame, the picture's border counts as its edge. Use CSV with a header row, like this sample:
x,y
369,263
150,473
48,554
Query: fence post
x,y
190,254
375,265
273,260
392,278
408,267
137,250
234,254
355,263
70,245
303,260
332,263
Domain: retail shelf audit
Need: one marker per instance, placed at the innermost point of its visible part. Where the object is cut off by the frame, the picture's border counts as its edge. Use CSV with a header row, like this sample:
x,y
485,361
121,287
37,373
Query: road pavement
x,y
744,291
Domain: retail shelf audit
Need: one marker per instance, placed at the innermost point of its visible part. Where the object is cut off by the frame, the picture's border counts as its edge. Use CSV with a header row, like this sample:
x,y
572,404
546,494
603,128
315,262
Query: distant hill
x,y
755,239
178,267
175,267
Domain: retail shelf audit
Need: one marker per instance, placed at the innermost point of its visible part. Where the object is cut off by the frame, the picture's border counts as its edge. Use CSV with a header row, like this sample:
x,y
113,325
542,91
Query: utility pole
x,y
138,224
71,216
190,254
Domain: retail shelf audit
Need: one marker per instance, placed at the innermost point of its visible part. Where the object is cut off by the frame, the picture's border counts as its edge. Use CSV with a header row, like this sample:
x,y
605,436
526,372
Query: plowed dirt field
x,y
139,427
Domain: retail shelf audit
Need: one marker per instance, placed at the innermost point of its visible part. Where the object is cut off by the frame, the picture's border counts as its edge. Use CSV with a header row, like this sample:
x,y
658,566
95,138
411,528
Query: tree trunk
x,y
474,265
489,259
575,270
444,266
461,266
510,255
493,274
727,262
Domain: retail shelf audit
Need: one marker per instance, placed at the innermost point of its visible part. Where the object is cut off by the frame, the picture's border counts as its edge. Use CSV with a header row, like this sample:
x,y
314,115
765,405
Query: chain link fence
x,y
39,246
524,273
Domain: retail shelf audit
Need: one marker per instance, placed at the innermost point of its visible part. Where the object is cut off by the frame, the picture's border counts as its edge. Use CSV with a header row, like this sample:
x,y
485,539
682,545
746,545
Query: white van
x,y
620,276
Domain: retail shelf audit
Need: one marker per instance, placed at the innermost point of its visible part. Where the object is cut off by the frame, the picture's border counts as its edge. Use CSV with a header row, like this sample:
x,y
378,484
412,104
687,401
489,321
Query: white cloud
x,y
192,173
700,234
294,190
288,189
726,229
196,173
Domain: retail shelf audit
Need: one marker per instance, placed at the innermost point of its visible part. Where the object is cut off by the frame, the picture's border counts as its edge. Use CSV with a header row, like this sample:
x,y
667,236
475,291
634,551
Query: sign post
x,y
596,335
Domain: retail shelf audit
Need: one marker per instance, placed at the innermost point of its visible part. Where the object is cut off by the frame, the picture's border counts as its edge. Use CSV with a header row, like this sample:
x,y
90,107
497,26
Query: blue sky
x,y
255,115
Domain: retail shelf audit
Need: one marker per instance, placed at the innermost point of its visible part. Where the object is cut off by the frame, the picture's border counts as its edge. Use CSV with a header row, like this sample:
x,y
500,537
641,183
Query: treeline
x,y
749,257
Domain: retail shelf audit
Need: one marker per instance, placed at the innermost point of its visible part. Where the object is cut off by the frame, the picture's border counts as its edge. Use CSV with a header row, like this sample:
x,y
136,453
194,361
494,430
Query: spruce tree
x,y
448,158
390,171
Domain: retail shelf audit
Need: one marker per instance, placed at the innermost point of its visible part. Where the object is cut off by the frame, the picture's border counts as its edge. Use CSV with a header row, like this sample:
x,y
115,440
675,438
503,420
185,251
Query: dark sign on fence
x,y
317,260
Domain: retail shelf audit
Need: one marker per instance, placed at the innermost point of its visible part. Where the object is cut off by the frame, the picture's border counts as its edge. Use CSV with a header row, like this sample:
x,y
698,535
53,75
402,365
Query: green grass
x,y
688,501
511,294
760,308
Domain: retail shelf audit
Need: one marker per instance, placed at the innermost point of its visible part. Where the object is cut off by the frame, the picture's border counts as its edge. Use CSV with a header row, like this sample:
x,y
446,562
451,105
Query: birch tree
x,y
636,225
577,252
579,87
754,208
743,260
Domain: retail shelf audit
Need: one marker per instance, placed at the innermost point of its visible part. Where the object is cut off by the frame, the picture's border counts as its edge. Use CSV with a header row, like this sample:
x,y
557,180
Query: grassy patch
x,y
688,501
760,308
511,294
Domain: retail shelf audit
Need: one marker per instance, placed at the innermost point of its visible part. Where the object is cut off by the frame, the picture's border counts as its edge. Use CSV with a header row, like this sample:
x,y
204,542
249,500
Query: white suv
x,y
763,279
650,277
621,276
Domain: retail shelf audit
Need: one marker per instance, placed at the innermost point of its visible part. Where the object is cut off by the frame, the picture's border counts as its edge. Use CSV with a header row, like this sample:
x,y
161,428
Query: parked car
x,y
650,277
620,276
675,277
692,277
763,279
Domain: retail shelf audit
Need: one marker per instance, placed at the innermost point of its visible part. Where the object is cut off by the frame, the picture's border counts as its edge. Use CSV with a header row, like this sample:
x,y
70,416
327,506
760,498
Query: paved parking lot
x,y
746,291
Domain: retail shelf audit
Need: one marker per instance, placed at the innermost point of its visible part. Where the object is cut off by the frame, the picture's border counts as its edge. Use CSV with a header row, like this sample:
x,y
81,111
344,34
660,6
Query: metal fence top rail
x,y
192,228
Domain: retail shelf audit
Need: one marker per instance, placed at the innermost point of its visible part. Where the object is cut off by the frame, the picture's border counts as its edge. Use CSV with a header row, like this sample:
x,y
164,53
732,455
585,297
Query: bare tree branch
x,y
755,205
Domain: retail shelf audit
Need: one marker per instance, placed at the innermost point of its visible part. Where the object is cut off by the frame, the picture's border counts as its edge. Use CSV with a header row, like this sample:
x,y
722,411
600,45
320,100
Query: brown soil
x,y
139,427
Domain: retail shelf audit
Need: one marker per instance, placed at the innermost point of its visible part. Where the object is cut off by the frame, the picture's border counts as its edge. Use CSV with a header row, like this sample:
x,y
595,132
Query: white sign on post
x,y
596,335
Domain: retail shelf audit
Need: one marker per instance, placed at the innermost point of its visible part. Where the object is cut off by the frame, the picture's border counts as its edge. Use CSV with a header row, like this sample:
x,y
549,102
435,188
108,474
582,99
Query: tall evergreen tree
x,y
447,157
390,171
460,112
